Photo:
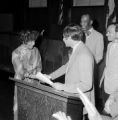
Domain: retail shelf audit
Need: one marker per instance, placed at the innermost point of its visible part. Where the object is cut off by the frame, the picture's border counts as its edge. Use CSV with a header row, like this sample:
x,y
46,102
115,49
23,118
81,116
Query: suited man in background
x,y
109,80
94,39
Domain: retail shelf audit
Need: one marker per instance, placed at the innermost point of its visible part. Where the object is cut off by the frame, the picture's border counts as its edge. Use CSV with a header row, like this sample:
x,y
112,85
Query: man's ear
x,y
91,22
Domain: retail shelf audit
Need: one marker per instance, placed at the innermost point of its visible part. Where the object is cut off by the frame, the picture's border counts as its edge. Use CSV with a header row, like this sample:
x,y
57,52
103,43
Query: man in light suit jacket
x,y
79,69
109,80
94,39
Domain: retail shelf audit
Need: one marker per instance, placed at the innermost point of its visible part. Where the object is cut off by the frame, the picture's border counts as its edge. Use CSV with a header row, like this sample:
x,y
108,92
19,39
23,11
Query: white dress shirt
x,y
94,41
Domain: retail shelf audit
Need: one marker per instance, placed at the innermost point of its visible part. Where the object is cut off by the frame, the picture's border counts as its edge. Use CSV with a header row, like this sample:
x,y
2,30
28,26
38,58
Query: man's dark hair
x,y
89,15
74,31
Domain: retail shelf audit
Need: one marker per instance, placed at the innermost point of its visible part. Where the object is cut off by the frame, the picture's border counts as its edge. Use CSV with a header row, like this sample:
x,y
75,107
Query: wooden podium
x,y
39,102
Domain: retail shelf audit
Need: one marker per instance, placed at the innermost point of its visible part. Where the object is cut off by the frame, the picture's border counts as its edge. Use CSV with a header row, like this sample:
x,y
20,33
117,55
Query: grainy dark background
x,y
15,15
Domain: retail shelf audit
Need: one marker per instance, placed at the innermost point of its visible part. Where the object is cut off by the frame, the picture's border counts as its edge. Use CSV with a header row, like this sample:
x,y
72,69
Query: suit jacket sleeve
x,y
59,72
84,73
99,49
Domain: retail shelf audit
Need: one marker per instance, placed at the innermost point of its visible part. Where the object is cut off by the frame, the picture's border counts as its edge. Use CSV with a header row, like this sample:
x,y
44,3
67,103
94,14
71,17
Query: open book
x,y
43,78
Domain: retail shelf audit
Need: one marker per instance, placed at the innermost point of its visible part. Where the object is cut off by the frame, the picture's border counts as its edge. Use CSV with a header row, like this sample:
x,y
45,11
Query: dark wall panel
x,y
6,22
37,18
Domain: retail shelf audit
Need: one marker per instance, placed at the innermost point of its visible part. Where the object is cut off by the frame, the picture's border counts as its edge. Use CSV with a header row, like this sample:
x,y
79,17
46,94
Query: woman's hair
x,y
26,36
74,31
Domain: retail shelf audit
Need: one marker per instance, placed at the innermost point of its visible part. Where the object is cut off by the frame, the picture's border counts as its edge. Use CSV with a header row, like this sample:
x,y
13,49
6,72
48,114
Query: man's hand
x,y
61,116
58,86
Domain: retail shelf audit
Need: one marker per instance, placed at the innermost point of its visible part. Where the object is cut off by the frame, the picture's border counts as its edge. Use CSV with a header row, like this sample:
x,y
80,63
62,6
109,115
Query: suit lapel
x,y
72,57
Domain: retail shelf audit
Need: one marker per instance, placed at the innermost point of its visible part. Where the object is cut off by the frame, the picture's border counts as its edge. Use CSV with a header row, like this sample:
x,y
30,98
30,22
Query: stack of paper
x,y
43,78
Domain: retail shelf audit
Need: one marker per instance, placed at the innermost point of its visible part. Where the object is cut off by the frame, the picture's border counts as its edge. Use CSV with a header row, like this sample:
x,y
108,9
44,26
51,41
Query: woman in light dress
x,y
26,58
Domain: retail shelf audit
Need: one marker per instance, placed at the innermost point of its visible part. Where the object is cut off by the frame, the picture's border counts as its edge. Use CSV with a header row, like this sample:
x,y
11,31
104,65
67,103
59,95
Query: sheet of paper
x,y
91,109
43,78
